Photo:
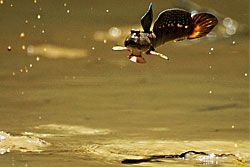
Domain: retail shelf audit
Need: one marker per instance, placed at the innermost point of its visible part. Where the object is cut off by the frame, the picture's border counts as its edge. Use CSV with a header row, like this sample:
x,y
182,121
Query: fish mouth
x,y
132,45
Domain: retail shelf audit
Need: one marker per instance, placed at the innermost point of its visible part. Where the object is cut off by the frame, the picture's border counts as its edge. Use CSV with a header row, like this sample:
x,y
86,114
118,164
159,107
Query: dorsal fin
x,y
147,19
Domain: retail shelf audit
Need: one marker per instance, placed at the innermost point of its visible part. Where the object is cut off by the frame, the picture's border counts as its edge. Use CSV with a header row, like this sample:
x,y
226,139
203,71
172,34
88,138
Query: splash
x,y
23,143
206,158
162,153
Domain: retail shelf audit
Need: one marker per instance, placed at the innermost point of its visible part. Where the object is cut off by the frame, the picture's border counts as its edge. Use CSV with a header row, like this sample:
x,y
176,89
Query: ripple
x,y
74,130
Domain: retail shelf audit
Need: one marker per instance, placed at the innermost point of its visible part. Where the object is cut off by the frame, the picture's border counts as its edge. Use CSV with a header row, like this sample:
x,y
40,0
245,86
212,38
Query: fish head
x,y
138,42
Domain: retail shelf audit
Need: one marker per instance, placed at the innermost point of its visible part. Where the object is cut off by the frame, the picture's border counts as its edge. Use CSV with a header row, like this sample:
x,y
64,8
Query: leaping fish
x,y
171,25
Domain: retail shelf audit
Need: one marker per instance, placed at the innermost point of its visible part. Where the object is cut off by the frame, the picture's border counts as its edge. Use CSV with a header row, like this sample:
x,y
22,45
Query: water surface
x,y
67,100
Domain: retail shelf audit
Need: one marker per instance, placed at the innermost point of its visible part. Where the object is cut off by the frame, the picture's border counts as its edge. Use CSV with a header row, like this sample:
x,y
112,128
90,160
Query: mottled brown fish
x,y
171,25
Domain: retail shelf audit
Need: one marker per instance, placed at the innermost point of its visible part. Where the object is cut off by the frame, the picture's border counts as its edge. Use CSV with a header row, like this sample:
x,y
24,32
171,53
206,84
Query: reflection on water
x,y
67,100
51,51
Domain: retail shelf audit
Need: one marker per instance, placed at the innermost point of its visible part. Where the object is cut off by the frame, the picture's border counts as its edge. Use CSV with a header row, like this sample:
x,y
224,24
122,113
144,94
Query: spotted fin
x,y
137,59
172,24
203,23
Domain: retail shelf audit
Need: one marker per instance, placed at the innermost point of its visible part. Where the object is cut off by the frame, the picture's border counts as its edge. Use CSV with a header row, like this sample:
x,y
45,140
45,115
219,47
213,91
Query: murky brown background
x,y
63,84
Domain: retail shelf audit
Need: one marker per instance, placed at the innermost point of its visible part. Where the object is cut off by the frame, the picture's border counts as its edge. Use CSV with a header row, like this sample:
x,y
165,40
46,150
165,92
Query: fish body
x,y
171,25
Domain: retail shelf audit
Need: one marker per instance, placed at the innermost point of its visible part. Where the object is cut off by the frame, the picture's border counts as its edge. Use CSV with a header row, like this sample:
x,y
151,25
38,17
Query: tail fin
x,y
204,23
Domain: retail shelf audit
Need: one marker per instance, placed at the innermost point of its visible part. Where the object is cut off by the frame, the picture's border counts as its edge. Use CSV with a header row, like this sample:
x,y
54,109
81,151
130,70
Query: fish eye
x,y
135,31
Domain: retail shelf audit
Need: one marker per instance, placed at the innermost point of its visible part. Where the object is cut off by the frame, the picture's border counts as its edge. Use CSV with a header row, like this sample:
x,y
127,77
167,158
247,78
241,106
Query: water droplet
x,y
26,21
232,126
209,53
227,22
13,74
31,65
231,30
35,1
107,11
235,145
65,4
210,67
38,16
22,35
30,49
1,2
211,49
43,31
210,92
245,74
21,70
9,48
11,5
99,59
104,41
37,58
23,47
26,70
233,42
68,11
114,31
93,48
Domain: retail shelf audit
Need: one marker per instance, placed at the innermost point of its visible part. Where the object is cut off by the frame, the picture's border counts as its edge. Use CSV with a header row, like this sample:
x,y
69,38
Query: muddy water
x,y
68,100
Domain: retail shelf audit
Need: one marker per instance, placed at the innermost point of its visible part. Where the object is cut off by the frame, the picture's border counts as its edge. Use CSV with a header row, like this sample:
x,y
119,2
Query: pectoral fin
x,y
119,48
157,54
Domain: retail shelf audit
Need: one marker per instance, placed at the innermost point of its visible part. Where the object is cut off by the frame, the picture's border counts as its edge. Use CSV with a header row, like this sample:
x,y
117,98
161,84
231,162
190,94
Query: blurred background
x,y
64,89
